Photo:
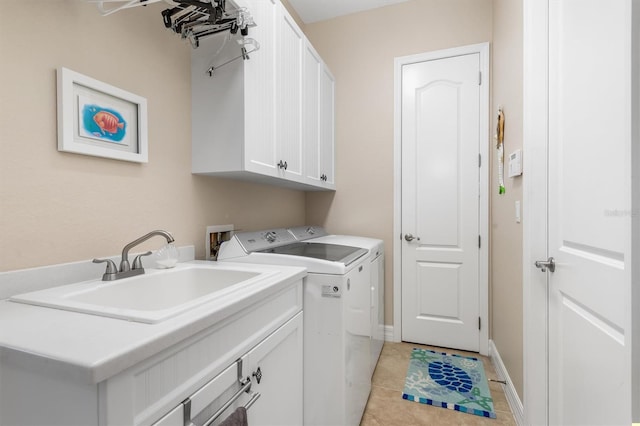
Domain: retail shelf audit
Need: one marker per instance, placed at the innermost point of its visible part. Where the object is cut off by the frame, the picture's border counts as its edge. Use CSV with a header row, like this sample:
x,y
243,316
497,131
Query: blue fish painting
x,y
104,123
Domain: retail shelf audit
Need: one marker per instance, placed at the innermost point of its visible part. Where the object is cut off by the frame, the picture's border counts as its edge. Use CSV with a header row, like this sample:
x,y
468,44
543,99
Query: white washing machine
x,y
337,316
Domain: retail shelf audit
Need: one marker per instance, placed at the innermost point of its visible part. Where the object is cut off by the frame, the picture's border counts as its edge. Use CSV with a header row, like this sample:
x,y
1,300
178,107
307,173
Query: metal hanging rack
x,y
244,54
195,20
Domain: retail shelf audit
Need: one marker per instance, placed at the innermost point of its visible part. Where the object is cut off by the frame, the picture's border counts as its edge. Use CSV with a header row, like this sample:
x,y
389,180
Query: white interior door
x,y
441,181
587,339
589,181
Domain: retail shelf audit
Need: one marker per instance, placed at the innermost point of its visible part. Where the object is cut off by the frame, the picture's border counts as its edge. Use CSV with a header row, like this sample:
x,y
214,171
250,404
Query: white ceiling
x,y
319,10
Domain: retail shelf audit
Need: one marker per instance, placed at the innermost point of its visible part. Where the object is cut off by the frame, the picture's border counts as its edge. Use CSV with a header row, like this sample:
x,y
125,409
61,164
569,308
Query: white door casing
x,y
440,291
534,244
581,119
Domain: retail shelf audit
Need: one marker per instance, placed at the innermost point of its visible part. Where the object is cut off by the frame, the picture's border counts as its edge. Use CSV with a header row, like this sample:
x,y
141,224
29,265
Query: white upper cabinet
x,y
264,119
289,96
326,157
312,66
318,120
260,154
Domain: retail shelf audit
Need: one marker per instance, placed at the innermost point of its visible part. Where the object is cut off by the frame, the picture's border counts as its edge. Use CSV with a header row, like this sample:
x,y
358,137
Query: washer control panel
x,y
261,240
302,233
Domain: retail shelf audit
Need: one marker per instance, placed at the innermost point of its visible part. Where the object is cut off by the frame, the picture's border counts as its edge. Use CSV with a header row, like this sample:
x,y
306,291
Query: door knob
x,y
410,237
549,264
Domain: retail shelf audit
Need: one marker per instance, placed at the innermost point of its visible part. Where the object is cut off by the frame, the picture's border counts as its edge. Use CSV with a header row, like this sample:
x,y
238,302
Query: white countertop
x,y
92,348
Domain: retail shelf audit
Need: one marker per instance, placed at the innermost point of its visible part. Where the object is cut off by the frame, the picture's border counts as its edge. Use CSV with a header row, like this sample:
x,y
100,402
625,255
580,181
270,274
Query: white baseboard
x,y
509,390
388,333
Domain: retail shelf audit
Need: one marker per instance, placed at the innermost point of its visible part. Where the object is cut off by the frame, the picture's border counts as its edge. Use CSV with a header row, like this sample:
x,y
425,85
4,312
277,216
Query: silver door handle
x,y
549,264
410,237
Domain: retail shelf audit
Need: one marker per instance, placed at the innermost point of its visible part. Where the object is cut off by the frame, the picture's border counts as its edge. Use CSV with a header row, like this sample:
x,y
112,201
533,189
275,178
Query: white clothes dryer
x,y
337,339
373,325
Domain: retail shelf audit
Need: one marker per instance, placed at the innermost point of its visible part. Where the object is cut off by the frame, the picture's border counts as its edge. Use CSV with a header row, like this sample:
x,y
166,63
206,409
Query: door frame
x,y
483,280
535,230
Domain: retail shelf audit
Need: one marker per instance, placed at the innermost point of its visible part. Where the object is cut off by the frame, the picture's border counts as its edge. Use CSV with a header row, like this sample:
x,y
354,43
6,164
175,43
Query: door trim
x,y
483,280
535,230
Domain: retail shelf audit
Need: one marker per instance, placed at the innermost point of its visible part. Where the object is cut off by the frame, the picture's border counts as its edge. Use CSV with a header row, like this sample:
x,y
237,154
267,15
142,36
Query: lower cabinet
x,y
267,381
254,354
278,360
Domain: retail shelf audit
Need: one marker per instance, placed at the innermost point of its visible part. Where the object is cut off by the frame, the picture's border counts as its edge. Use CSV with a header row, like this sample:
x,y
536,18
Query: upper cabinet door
x,y
327,128
318,123
289,99
312,69
261,154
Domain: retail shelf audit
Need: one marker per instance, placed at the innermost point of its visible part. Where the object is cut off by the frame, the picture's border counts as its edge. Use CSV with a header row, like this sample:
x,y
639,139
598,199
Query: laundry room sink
x,y
150,298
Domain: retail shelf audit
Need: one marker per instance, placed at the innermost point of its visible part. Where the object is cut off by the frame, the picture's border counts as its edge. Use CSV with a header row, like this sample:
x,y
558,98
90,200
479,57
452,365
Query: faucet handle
x,y
137,262
111,271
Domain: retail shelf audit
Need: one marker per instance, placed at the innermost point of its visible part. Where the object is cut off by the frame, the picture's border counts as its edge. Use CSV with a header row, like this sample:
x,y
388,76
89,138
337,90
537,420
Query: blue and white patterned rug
x,y
448,381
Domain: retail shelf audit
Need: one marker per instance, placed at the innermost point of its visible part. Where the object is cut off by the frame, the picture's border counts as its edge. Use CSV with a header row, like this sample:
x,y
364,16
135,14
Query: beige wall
x,y
506,234
58,207
360,50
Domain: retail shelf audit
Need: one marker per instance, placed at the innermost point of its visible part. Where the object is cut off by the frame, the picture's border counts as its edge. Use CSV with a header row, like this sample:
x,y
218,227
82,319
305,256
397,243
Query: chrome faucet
x,y
112,273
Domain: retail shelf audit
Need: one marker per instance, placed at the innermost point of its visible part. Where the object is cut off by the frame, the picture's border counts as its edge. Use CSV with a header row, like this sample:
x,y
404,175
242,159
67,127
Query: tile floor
x,y
387,408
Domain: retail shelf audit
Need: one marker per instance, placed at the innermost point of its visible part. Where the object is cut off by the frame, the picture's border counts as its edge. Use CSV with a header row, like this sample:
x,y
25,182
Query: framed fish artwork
x,y
95,118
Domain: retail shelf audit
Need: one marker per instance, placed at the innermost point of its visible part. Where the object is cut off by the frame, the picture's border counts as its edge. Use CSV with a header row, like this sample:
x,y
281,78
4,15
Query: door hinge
x,y
479,241
479,323
479,78
479,160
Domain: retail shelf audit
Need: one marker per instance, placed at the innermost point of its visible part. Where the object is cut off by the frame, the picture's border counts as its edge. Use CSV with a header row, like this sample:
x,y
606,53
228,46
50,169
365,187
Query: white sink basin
x,y
149,298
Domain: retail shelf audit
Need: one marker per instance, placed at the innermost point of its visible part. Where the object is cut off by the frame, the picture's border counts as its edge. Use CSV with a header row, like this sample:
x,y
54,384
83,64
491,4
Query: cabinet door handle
x,y
257,374
282,165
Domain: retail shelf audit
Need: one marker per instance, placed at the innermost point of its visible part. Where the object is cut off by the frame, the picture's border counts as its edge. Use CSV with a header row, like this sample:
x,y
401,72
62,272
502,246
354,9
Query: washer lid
x,y
323,251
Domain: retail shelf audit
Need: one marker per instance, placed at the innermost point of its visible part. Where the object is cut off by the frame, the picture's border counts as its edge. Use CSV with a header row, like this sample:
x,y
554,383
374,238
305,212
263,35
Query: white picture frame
x,y
95,118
